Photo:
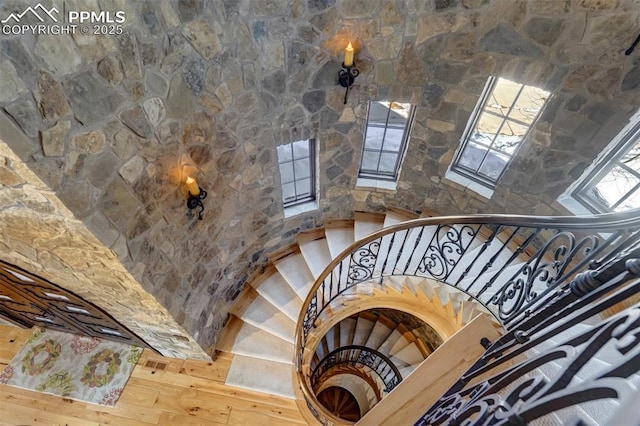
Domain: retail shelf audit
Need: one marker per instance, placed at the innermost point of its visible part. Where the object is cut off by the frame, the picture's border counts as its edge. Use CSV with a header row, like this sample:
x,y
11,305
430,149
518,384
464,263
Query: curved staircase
x,y
261,328
314,294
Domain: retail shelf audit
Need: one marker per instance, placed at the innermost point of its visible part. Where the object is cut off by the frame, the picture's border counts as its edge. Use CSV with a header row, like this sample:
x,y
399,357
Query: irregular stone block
x,y
90,143
155,110
8,178
118,204
59,52
189,9
409,67
98,169
101,228
504,39
11,85
52,100
129,55
53,139
91,99
544,30
22,59
300,56
314,101
109,68
136,119
26,115
180,101
632,78
193,74
202,38
156,83
76,196
132,169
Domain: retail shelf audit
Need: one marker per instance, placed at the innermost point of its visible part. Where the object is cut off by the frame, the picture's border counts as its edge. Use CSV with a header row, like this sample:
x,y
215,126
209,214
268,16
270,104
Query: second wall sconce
x,y
195,195
349,72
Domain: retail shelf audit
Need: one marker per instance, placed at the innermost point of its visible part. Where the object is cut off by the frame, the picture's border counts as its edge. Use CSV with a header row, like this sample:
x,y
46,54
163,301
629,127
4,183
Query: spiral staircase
x,y
321,295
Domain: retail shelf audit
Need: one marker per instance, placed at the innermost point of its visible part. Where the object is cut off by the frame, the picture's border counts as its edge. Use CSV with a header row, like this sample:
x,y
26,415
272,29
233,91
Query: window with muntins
x,y
385,139
614,184
297,173
505,112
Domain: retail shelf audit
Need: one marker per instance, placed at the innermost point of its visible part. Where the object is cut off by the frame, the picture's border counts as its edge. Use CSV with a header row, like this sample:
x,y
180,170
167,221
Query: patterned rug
x,y
87,369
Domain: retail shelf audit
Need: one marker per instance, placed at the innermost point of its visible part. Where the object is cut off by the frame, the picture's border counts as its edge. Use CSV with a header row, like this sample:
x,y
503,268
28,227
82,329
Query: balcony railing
x,y
361,357
512,265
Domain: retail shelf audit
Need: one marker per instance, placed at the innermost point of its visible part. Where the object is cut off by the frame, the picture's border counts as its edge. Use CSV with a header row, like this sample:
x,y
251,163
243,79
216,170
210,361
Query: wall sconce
x,y
195,195
349,72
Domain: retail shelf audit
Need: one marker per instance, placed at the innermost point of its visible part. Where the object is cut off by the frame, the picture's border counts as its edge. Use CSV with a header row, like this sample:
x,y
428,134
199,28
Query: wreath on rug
x,y
89,375
60,383
29,364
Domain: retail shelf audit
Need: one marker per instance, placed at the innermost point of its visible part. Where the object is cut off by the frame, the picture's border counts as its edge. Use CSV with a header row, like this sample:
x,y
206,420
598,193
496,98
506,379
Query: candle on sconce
x,y
348,55
192,186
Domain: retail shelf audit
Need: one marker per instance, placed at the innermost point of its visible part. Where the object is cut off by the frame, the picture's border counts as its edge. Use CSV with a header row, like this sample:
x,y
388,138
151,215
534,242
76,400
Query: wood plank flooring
x,y
183,393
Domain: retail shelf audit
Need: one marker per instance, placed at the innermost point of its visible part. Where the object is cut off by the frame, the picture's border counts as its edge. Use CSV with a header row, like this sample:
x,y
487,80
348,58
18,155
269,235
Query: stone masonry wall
x,y
40,234
210,88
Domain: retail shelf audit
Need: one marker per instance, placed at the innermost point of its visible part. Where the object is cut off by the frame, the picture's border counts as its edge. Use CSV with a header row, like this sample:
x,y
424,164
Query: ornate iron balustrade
x,y
519,394
510,264
360,357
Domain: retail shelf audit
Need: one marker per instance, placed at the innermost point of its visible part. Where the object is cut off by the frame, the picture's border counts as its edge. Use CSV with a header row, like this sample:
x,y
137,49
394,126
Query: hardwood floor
x,y
182,393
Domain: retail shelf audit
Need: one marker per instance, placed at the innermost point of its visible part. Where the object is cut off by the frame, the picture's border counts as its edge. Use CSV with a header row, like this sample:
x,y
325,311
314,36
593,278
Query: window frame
x,y
311,197
369,175
624,141
479,109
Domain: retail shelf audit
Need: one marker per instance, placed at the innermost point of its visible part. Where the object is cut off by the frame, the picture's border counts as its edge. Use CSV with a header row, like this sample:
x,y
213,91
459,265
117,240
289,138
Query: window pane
x,y
393,140
632,202
493,165
288,191
489,124
472,156
303,187
284,153
378,113
399,114
370,161
503,95
374,137
302,168
388,162
614,185
632,158
300,149
286,172
529,104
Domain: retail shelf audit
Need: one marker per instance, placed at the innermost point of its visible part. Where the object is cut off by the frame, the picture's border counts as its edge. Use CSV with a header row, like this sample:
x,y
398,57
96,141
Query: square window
x,y
297,172
505,112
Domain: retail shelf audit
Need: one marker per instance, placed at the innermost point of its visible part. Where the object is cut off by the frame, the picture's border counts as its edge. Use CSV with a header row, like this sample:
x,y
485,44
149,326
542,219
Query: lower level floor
x,y
161,391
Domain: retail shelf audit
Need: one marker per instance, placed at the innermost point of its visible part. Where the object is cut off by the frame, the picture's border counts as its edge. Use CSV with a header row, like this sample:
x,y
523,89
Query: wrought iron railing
x,y
362,357
509,264
593,364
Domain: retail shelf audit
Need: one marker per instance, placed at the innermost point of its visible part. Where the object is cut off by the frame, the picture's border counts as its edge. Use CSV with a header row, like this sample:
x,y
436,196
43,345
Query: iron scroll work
x,y
359,357
560,379
483,260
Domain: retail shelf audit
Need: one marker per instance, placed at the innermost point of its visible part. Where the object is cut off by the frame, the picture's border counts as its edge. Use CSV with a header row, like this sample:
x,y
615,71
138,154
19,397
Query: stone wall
x,y
38,233
210,88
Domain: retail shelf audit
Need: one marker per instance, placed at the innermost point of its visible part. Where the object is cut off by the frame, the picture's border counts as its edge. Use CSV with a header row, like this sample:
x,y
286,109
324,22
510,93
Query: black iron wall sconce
x,y
195,195
349,72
